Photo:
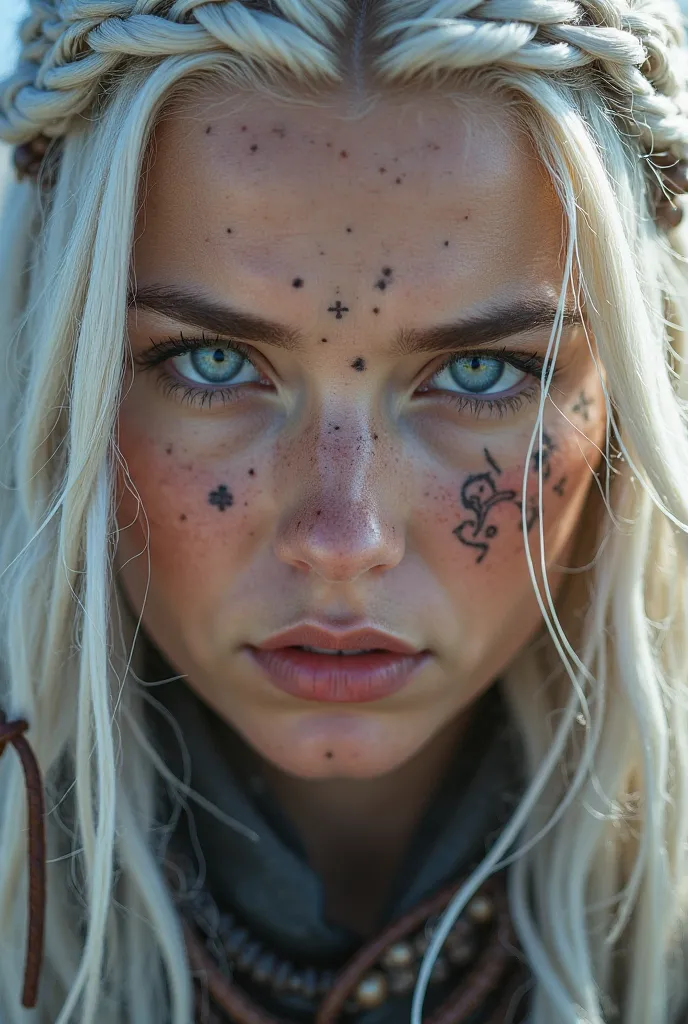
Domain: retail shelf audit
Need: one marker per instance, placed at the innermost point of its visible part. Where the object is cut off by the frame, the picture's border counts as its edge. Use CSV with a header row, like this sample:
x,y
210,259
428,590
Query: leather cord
x,y
12,732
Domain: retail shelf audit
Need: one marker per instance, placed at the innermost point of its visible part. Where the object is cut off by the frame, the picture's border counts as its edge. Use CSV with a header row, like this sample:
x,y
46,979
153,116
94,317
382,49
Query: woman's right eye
x,y
219,365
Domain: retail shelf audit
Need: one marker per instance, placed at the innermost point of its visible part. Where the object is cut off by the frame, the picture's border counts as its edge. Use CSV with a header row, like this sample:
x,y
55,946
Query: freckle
x,y
319,512
254,147
381,284
336,428
252,472
182,518
447,242
209,129
376,310
322,253
324,341
397,181
168,450
466,217
245,504
358,364
374,437
329,145
329,755
343,154
383,170
349,230
297,282
387,271
229,231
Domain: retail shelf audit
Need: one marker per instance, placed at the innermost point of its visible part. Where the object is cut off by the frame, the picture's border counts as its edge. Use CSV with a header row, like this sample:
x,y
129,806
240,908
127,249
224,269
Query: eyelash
x,y
162,351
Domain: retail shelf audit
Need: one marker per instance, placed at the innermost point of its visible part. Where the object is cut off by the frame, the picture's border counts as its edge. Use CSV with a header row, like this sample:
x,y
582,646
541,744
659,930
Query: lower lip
x,y
334,678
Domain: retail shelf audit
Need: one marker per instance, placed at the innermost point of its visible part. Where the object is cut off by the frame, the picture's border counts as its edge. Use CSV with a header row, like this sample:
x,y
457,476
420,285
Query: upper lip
x,y
364,638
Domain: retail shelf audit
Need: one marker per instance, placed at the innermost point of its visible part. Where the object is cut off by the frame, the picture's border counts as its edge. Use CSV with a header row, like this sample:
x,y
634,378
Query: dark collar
x,y
269,883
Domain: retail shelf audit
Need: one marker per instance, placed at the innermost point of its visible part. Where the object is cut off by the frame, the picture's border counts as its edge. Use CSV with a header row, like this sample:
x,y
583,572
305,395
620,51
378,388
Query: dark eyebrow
x,y
206,315
488,326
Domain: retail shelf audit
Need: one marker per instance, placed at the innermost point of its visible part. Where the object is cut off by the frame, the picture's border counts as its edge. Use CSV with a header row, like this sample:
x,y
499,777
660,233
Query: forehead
x,y
261,188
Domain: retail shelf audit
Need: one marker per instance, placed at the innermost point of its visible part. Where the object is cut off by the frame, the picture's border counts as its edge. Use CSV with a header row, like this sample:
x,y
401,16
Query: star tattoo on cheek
x,y
221,498
582,406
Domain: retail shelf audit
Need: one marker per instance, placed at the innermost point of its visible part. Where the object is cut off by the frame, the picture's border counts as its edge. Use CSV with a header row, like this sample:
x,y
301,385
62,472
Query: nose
x,y
344,516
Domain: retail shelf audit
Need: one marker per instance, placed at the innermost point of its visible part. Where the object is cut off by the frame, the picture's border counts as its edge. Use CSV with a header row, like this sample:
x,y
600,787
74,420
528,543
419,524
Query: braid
x,y
634,54
70,48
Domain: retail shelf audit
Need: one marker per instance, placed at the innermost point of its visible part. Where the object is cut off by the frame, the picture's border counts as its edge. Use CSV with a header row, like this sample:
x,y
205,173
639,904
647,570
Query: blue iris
x,y
476,374
218,365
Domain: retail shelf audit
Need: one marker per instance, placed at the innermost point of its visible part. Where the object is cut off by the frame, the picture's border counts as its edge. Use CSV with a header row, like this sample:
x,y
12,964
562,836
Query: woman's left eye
x,y
476,375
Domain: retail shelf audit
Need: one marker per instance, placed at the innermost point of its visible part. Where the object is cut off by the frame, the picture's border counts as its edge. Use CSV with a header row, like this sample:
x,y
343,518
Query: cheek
x,y
196,519
472,532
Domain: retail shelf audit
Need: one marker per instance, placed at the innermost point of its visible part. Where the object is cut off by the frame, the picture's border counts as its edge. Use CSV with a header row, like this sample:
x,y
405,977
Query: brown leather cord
x,y
13,732
489,972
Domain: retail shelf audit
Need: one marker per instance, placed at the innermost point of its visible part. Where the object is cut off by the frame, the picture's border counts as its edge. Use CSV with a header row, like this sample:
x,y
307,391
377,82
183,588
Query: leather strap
x,y
13,733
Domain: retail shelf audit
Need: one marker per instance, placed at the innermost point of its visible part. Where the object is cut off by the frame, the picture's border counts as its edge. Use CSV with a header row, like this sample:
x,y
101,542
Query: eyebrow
x,y
487,326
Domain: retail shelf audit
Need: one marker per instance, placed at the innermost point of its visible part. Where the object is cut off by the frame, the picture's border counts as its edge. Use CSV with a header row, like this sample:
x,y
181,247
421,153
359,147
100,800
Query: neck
x,y
356,831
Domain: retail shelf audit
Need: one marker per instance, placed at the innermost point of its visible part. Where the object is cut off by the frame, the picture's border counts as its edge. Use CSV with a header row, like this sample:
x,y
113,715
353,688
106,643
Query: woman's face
x,y
372,297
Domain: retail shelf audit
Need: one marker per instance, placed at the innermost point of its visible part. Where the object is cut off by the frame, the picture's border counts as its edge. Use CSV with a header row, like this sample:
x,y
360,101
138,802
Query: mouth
x,y
338,674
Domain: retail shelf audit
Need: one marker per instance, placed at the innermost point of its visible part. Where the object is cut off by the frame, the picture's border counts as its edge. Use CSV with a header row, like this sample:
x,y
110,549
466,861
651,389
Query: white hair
x,y
597,845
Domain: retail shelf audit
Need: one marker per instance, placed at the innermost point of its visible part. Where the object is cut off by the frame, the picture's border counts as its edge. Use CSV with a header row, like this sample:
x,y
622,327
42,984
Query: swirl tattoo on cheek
x,y
480,493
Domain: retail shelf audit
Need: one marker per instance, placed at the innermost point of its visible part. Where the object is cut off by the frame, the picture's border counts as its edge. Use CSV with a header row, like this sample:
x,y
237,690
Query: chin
x,y
327,744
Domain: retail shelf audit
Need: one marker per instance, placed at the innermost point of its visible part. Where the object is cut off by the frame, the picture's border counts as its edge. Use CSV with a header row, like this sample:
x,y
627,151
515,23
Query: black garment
x,y
270,886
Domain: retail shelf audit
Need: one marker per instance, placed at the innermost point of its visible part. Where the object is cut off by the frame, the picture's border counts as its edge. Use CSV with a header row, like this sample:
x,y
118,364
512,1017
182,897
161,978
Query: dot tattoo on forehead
x,y
297,282
338,310
358,364
221,498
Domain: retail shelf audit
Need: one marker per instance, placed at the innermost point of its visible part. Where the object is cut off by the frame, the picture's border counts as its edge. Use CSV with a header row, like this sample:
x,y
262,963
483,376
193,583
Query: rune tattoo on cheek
x,y
221,498
479,495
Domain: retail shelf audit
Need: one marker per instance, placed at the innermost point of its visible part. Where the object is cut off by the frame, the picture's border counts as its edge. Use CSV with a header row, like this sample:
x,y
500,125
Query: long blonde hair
x,y
597,846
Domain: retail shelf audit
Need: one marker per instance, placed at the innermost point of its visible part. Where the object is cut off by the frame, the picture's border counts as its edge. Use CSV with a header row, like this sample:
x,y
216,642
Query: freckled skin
x,y
346,487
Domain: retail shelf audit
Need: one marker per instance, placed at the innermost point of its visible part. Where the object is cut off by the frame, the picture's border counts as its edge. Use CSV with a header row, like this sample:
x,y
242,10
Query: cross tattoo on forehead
x,y
338,310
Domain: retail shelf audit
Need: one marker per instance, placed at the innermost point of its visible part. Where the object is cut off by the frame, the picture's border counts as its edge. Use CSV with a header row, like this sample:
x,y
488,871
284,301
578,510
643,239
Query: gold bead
x,y
398,955
371,991
480,909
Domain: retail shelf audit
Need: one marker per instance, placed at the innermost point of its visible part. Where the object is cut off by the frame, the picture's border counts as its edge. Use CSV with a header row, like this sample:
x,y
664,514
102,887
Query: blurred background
x,y
11,12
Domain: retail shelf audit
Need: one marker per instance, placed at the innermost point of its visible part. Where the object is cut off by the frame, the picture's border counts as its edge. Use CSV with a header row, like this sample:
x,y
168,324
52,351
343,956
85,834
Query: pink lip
x,y
334,678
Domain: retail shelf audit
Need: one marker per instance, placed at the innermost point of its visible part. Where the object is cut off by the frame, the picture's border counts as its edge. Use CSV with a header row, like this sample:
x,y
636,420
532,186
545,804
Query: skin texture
x,y
358,489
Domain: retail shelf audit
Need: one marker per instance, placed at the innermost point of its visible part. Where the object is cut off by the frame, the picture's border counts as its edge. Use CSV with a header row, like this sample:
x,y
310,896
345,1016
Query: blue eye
x,y
478,375
215,365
